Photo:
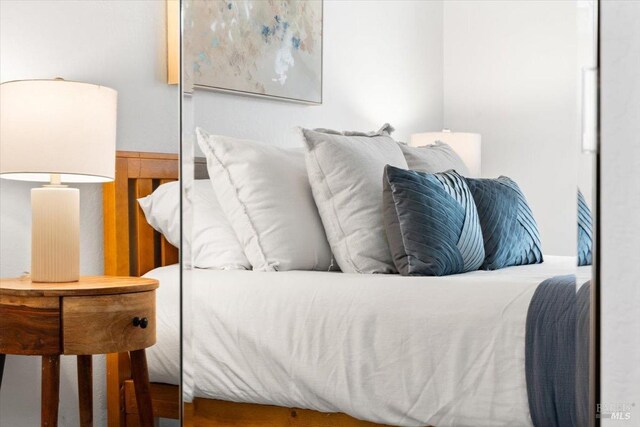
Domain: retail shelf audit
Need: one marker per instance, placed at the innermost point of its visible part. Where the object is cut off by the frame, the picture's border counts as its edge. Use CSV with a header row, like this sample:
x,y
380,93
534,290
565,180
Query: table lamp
x,y
466,145
57,132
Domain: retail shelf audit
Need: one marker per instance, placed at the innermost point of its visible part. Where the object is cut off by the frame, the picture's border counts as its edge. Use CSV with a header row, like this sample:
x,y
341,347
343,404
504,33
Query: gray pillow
x,y
510,232
434,158
345,172
431,223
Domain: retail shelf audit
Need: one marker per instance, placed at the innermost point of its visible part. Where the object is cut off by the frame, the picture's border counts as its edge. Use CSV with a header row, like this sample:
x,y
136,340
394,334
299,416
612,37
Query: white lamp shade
x,y
57,127
467,145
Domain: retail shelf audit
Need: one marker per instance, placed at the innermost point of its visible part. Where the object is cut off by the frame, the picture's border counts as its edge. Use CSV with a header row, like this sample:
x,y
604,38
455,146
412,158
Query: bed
x,y
304,339
266,344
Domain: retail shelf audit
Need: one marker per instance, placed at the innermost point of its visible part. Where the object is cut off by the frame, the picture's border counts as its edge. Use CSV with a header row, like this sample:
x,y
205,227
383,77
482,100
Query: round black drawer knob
x,y
141,322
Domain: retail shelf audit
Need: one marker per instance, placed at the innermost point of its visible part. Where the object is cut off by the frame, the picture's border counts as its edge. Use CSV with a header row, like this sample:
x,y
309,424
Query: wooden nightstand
x,y
95,315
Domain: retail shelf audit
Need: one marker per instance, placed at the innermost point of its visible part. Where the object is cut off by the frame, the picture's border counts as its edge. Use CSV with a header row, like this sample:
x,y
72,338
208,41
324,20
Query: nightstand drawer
x,y
105,324
29,325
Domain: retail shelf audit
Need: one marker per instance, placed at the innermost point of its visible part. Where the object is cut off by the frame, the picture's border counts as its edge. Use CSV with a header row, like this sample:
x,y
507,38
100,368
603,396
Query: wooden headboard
x,y
131,246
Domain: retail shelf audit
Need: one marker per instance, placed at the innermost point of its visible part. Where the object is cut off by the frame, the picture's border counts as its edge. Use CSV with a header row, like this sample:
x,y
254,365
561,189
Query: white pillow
x,y
345,171
215,244
266,196
434,158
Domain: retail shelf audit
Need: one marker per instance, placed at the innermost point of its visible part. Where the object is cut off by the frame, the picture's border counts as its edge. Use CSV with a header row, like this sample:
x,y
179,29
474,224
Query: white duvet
x,y
443,351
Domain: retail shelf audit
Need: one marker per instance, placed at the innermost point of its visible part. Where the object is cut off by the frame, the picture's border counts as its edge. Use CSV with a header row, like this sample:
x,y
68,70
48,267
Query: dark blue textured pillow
x,y
585,239
510,232
431,223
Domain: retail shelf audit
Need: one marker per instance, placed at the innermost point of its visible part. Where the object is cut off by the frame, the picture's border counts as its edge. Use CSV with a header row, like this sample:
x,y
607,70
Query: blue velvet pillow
x,y
510,232
585,239
431,223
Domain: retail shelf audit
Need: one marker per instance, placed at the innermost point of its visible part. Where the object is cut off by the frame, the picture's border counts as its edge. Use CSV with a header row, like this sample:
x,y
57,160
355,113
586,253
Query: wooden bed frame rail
x,y
132,248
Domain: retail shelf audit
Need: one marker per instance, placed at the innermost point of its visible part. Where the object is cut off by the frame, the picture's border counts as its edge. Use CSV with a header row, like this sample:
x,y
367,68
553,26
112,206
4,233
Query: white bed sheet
x,y
445,351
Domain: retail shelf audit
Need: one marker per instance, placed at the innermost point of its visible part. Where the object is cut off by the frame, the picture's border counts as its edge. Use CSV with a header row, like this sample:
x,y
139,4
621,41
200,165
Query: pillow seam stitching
x,y
312,152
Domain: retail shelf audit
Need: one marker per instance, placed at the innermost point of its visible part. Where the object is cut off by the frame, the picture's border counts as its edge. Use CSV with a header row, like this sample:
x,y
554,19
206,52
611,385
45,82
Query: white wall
x,y
382,63
120,44
510,74
620,200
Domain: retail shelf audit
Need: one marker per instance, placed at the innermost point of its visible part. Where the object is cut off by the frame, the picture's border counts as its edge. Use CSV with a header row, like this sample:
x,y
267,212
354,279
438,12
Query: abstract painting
x,y
259,47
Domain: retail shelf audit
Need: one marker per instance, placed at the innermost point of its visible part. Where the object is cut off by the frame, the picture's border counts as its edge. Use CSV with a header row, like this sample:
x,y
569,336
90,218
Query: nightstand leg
x,y
50,390
85,390
2,358
140,376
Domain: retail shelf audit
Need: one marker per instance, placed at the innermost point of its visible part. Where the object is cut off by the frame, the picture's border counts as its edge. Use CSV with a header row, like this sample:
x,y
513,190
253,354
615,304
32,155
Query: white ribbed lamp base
x,y
55,234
